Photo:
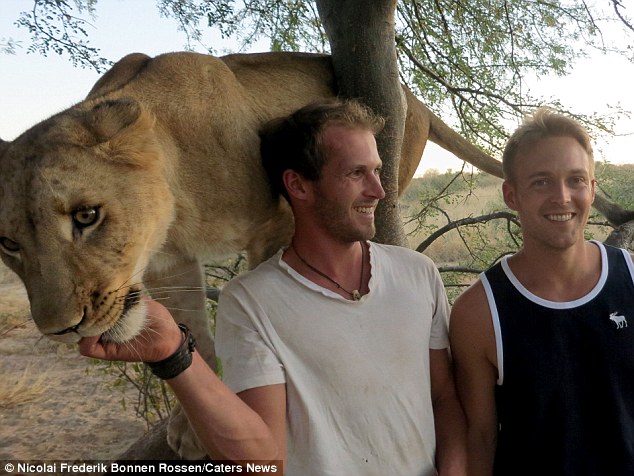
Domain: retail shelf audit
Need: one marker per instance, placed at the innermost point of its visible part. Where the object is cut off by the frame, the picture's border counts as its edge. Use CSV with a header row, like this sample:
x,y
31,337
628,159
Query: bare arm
x,y
227,426
449,419
225,423
473,348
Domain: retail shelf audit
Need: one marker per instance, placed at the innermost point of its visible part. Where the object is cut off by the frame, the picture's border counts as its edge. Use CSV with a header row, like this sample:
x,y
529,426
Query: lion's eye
x,y
85,217
9,246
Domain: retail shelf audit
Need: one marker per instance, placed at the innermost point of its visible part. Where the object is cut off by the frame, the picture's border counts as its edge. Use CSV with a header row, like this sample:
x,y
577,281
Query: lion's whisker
x,y
167,277
166,298
155,294
141,271
176,288
130,345
181,309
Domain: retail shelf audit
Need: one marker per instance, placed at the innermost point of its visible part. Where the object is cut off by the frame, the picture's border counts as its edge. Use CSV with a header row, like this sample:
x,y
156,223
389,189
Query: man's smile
x,y
365,210
560,216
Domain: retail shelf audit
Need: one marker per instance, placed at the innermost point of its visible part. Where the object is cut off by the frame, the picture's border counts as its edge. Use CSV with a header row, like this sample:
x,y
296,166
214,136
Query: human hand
x,y
159,339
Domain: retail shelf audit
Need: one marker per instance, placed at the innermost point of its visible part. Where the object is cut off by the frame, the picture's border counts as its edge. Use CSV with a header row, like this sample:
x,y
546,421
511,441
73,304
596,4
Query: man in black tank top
x,y
543,342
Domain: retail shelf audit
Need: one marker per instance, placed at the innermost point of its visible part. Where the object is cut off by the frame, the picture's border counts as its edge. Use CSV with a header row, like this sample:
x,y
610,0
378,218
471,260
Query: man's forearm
x,y
451,438
226,426
481,452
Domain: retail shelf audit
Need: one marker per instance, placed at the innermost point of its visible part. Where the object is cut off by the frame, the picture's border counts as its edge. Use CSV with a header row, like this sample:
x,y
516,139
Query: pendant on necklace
x,y
355,294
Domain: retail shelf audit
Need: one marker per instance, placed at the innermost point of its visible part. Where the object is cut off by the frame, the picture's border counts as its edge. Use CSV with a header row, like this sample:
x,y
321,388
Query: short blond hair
x,y
541,124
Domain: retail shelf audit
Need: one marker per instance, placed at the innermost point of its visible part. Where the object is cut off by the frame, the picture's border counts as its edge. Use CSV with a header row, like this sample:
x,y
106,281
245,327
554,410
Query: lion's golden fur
x,y
164,152
167,150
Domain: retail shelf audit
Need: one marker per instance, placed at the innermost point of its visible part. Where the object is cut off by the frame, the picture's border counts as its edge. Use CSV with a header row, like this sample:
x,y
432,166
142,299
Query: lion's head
x,y
84,202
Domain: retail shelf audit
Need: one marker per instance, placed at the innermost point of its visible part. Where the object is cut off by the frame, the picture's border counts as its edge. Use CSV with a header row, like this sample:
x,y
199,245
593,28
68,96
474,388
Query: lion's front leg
x,y
182,438
181,289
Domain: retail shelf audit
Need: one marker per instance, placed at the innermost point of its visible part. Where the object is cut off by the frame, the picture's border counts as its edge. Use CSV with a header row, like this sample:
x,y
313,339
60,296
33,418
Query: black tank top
x,y
565,395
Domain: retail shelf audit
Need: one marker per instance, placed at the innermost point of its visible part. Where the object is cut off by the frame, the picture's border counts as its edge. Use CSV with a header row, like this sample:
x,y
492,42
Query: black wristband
x,y
178,361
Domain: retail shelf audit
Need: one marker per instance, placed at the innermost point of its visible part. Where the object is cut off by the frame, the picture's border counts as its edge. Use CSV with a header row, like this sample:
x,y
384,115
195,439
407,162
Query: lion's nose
x,y
71,329
68,330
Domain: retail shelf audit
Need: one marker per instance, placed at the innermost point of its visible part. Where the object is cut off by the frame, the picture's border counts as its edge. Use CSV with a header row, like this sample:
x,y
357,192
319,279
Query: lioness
x,y
157,170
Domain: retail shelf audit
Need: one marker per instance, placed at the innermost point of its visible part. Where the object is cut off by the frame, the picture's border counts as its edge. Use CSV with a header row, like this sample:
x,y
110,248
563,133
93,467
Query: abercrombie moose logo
x,y
619,320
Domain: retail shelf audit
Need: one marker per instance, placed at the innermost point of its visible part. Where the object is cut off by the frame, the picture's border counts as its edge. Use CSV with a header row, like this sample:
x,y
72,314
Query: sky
x,y
33,87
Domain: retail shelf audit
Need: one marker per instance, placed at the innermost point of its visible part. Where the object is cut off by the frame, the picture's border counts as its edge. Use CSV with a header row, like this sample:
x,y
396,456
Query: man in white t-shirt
x,y
337,346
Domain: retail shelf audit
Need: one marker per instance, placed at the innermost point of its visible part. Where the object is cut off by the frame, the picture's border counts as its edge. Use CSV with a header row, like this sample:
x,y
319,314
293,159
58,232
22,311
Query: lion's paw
x,y
181,437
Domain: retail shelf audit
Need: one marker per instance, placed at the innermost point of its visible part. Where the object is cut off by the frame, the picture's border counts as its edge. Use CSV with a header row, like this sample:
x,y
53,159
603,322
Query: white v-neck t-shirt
x,y
356,372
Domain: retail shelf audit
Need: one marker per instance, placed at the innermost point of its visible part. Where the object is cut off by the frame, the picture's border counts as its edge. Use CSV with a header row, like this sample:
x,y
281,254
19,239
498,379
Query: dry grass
x,y
450,248
28,387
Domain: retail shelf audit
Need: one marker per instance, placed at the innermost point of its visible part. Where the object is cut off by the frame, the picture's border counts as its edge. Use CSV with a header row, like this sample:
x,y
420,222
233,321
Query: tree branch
x,y
464,222
615,214
617,6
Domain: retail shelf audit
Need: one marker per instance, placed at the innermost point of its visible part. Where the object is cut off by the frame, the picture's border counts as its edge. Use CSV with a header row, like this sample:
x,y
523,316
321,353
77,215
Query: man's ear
x,y
593,188
508,192
297,186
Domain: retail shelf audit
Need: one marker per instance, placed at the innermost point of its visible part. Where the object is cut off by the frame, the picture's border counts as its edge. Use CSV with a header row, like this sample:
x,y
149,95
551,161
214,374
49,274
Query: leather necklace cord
x,y
355,294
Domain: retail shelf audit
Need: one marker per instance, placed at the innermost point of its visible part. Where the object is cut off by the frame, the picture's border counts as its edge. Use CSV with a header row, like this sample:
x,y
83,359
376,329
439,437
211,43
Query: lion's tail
x,y
443,135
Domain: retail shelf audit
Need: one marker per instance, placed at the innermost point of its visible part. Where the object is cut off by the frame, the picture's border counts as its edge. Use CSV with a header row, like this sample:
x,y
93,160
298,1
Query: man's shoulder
x,y
402,254
253,277
474,294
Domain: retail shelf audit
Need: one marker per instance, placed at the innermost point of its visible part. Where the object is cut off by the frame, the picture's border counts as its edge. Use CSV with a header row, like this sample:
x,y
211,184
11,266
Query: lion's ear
x,y
108,118
122,129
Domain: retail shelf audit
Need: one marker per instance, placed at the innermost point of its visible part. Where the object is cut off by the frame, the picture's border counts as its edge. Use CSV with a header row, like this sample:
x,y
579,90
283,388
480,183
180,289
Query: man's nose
x,y
561,192
376,189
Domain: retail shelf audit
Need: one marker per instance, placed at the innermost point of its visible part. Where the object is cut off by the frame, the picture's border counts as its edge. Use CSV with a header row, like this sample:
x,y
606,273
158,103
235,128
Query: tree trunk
x,y
361,35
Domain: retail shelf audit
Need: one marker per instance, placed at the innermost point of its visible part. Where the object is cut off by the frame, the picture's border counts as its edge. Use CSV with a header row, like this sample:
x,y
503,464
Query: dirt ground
x,y
55,404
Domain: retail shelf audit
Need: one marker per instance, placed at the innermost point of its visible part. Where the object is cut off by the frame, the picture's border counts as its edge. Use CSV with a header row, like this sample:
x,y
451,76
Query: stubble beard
x,y
557,240
336,220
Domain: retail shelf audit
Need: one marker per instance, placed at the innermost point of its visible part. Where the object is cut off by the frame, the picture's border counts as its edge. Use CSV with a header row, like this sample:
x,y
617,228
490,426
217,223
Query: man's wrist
x,y
179,361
